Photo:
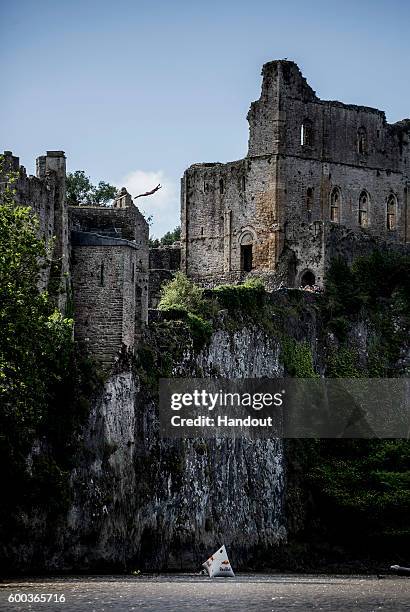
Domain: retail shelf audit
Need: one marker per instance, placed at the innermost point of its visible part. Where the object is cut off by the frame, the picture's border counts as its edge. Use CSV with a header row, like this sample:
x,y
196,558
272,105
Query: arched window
x,y
364,202
335,205
306,133
391,212
362,141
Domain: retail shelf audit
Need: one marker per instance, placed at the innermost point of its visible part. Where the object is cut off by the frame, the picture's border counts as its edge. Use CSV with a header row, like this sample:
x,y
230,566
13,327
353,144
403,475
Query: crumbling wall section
x,y
46,195
224,206
301,149
164,262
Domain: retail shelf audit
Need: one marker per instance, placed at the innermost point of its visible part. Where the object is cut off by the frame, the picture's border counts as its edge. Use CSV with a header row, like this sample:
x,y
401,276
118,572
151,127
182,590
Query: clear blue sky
x,y
136,91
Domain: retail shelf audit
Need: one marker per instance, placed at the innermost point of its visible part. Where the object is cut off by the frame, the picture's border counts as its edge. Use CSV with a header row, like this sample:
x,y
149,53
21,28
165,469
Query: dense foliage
x,y
376,289
362,492
81,192
42,385
181,298
360,489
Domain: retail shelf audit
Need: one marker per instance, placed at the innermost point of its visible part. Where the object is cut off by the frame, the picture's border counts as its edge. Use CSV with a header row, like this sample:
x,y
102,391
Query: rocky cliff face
x,y
145,502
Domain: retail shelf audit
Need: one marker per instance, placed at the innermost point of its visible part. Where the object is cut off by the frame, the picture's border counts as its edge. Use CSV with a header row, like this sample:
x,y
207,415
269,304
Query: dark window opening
x,y
133,273
307,279
362,141
306,134
309,201
391,213
202,231
246,257
243,183
102,275
335,205
364,210
221,186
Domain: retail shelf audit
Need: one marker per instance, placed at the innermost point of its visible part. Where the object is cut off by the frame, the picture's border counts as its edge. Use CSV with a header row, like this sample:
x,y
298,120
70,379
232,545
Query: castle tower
x,y
110,276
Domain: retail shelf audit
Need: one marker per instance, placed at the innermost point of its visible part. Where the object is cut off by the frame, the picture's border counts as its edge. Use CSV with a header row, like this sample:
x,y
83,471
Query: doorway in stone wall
x,y
307,279
246,257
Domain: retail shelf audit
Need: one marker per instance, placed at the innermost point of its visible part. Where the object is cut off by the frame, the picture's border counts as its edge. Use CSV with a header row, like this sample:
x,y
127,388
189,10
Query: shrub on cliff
x,y
182,299
182,294
247,297
363,485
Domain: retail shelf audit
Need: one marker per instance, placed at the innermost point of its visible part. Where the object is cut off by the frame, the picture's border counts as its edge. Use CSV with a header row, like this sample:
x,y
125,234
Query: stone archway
x,y
307,278
246,244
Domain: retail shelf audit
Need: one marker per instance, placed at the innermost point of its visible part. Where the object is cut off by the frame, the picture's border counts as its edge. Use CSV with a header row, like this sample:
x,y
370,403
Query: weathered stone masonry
x,y
312,167
164,262
99,258
110,276
45,193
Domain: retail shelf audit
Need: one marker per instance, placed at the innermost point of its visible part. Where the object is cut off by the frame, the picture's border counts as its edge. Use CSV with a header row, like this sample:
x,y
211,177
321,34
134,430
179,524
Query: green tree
x,y
171,237
103,193
35,339
167,239
182,294
78,187
81,192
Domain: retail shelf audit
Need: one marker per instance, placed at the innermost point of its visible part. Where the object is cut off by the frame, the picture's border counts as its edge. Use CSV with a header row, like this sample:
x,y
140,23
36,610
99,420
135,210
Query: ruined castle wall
x,y
104,295
267,117
164,262
287,102
127,223
300,149
45,194
202,220
322,178
221,204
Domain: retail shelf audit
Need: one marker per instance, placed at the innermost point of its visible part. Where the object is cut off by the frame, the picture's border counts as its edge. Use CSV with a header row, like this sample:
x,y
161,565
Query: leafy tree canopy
x,y
81,192
32,333
43,388
182,294
167,239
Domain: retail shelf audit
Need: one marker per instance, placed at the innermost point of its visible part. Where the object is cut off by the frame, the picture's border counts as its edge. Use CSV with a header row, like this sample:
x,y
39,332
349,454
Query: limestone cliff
x,y
152,503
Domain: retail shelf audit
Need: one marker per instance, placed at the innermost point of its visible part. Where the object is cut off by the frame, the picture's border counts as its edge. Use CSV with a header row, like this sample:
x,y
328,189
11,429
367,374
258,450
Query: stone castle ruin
x,y
321,179
99,258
